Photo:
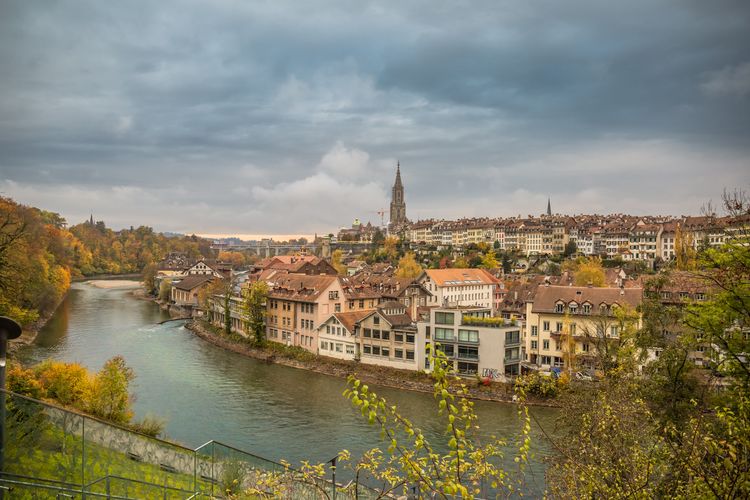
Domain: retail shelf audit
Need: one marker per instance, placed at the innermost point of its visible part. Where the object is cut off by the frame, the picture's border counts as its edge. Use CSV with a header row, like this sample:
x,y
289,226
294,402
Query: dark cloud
x,y
235,116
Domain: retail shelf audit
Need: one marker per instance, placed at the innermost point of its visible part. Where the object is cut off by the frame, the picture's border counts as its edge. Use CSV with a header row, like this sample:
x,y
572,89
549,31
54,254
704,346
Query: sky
x,y
273,117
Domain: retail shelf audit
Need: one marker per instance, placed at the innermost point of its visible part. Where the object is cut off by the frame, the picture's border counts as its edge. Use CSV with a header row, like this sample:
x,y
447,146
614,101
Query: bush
x,y
150,425
538,385
24,382
68,383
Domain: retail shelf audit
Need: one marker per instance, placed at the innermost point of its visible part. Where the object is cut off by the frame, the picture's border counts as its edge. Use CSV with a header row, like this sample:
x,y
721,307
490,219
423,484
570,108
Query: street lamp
x,y
9,330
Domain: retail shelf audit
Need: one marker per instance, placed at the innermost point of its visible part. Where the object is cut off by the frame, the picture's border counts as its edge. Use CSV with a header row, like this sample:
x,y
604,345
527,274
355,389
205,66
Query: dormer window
x,y
586,308
573,307
560,307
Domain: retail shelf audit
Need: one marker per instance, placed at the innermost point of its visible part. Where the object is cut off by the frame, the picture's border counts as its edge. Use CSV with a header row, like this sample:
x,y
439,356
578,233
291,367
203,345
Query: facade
x,y
337,335
387,337
475,342
296,306
459,287
185,292
565,325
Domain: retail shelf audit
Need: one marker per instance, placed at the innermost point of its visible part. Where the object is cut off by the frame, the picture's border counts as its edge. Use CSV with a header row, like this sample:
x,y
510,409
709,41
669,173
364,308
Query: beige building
x,y
570,326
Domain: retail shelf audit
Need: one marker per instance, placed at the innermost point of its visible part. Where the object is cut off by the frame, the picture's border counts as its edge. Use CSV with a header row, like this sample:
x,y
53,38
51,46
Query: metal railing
x,y
53,452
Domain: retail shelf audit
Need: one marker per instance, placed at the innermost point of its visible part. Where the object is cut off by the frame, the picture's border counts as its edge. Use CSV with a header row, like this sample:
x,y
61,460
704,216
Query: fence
x,y
52,452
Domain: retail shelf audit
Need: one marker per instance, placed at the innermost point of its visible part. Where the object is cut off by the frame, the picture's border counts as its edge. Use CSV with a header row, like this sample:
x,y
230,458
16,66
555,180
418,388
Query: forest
x,y
40,255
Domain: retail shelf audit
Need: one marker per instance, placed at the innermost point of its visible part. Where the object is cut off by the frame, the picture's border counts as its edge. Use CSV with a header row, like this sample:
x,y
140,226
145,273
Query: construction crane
x,y
381,213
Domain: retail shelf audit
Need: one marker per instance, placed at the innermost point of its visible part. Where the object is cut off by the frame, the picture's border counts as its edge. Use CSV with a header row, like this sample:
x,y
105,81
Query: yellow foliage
x,y
408,267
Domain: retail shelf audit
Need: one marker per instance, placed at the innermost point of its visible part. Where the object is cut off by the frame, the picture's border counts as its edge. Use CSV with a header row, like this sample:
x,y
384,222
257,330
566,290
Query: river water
x,y
205,392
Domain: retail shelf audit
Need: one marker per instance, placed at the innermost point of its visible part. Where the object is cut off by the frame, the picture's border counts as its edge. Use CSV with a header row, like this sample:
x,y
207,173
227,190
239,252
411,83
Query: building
x,y
186,291
459,287
398,204
297,304
475,342
337,335
387,337
567,326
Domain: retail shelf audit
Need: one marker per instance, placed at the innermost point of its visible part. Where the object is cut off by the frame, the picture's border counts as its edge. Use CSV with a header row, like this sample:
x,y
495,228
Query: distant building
x,y
398,205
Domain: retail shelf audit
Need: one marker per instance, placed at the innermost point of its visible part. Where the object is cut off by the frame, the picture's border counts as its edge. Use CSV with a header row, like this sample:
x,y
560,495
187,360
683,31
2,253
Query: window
x,y
545,344
399,337
559,307
535,344
385,351
367,349
468,352
448,349
333,295
376,334
513,337
557,345
398,353
546,360
444,318
585,347
385,335
468,336
339,347
328,328
324,345
534,331
573,329
427,332
337,308
613,331
376,350
559,326
350,349
443,333
545,326
410,355
467,368
409,338
351,304
367,333
586,308
376,320
361,304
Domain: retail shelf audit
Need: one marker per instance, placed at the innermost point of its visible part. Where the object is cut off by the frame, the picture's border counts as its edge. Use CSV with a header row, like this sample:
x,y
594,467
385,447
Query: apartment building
x,y
461,287
476,343
388,337
565,325
296,306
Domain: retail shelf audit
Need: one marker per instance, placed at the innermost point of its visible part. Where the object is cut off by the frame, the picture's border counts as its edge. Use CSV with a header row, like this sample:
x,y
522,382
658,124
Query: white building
x,y
459,287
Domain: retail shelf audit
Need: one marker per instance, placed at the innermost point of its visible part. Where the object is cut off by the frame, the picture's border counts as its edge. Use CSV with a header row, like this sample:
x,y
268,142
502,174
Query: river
x,y
205,392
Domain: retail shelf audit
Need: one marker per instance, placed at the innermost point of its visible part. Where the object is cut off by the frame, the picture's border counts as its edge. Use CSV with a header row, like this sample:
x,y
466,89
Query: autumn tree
x,y
489,260
589,272
684,249
408,267
109,396
256,296
336,261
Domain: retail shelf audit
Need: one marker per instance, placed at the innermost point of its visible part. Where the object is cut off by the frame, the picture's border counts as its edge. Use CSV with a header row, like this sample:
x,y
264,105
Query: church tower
x,y
398,205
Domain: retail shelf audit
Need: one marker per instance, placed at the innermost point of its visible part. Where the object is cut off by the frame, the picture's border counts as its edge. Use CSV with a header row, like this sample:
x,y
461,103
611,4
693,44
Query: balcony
x,y
491,322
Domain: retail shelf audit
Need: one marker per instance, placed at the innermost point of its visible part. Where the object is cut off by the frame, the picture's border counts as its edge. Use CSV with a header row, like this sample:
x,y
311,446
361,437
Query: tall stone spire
x,y
549,207
398,205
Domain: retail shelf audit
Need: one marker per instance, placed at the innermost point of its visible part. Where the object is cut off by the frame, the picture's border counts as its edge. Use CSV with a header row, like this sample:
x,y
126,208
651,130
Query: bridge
x,y
269,248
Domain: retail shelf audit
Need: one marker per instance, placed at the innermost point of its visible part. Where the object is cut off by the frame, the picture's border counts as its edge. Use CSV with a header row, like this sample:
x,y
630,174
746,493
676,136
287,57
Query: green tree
x,y
256,296
109,396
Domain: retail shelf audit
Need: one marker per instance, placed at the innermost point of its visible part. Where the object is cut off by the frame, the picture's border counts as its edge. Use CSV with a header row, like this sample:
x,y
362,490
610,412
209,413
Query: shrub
x,y
538,385
68,383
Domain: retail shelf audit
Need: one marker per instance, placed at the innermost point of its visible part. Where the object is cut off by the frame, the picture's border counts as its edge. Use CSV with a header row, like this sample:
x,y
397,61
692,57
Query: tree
x,y
570,248
684,249
256,296
589,272
336,258
109,396
408,267
149,278
165,290
489,260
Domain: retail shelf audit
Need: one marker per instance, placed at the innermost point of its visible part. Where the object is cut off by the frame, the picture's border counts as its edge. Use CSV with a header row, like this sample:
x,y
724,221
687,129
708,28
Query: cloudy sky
x,y
271,117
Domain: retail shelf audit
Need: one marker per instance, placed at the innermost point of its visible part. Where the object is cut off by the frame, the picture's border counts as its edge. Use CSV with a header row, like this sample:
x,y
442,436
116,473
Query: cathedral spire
x,y
398,205
549,206
398,175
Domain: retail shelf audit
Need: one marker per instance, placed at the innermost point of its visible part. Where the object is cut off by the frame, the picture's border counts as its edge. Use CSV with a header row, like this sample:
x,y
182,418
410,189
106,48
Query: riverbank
x,y
370,374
